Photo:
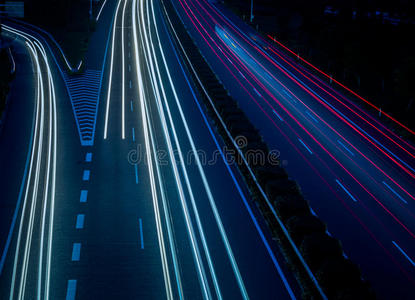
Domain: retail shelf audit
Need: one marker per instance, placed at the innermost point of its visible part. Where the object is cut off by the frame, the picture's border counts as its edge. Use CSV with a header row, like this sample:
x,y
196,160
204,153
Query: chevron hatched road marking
x,y
84,94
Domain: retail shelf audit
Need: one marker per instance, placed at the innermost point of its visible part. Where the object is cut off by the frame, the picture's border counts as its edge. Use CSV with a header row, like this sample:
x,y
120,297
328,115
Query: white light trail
x,y
111,71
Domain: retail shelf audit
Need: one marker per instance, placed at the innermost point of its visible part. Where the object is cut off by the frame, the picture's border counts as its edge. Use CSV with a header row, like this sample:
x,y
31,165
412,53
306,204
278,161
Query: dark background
x,y
373,51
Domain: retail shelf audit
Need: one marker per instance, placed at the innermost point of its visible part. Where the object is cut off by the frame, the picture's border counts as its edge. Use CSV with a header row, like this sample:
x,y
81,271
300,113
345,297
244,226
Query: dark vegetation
x,y
67,20
366,44
338,276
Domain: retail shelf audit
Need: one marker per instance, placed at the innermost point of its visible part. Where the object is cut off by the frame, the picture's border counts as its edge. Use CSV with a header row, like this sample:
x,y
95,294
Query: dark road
x,y
122,188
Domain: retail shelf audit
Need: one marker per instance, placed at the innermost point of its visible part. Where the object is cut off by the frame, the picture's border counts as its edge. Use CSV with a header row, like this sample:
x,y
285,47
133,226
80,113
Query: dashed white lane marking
x,y
88,157
80,219
71,290
84,196
76,251
86,175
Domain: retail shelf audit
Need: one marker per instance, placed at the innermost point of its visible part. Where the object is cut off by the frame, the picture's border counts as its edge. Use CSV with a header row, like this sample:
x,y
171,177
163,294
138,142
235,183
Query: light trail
x,y
346,140
287,286
100,10
169,292
272,60
196,252
330,127
305,130
203,36
111,72
123,72
48,167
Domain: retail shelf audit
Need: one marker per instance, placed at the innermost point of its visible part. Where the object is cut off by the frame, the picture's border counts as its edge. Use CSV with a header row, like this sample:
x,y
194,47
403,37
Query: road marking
x,y
242,74
133,134
129,68
257,92
141,233
80,221
84,195
393,191
313,212
308,149
76,251
311,116
129,54
85,176
71,290
130,84
404,253
279,117
88,157
286,93
344,146
348,193
123,72
230,61
136,173
131,105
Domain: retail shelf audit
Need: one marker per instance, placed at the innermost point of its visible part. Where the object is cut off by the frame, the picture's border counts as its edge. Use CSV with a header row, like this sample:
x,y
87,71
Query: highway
x,y
357,173
130,195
